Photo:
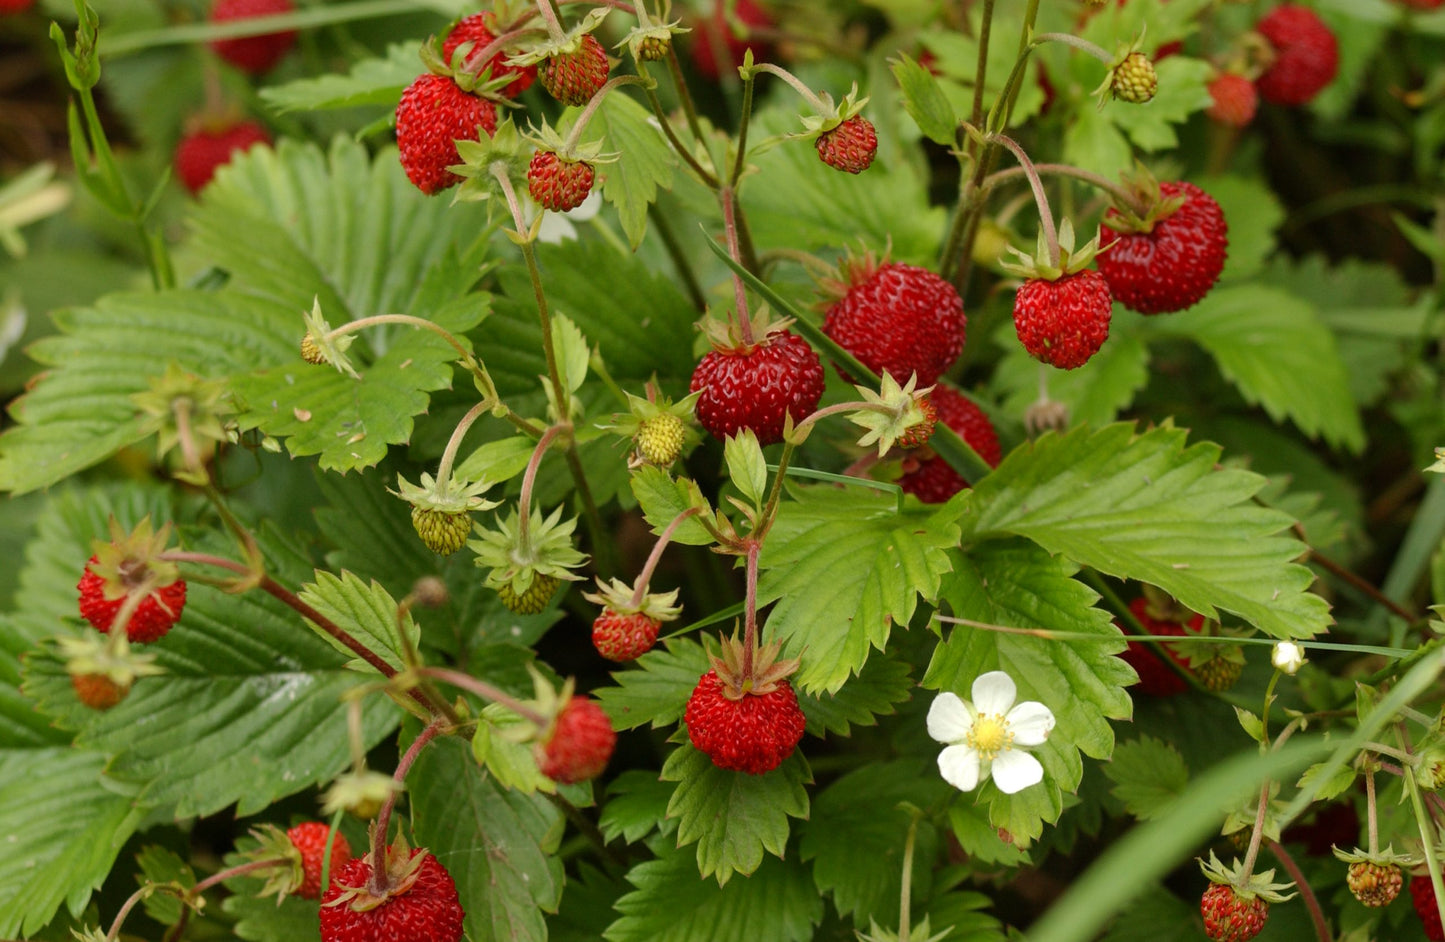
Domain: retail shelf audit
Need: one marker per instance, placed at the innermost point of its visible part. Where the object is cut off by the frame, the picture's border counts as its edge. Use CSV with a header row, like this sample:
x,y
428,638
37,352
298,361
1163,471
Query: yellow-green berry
x,y
310,352
534,599
660,439
1134,79
442,531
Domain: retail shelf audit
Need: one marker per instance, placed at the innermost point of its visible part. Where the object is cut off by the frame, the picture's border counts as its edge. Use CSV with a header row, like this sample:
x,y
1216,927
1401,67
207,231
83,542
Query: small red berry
x,y
622,638
310,839
851,146
1173,265
98,691
201,153
751,734
434,113
559,184
756,386
1064,322
477,30
423,905
152,618
1230,916
1306,55
1422,896
1235,100
574,77
898,319
253,54
580,745
934,481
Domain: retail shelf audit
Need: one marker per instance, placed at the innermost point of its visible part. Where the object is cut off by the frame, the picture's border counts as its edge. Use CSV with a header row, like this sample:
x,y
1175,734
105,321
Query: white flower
x,y
986,737
1287,656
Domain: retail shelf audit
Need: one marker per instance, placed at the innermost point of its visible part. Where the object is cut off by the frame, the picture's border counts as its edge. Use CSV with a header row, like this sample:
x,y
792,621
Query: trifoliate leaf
x,y
366,612
656,689
1148,774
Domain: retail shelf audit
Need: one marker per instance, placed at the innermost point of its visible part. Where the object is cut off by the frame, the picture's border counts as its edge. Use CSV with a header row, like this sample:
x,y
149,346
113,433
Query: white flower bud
x,y
1287,656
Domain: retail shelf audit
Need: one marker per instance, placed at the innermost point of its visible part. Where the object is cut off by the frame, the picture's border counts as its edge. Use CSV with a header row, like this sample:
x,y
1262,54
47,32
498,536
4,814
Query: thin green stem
x,y
980,71
549,17
798,85
744,122
1083,45
1371,816
726,198
750,609
1120,194
1428,831
574,135
1404,757
352,327
125,909
703,174
684,94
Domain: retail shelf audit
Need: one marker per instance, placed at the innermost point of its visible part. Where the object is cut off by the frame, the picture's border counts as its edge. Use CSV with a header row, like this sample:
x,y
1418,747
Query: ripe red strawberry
x,y
1235,100
559,184
756,386
152,618
1422,895
421,902
715,48
620,637
253,54
896,318
574,77
752,733
309,838
1230,916
15,6
851,146
434,113
1063,322
579,745
1171,264
1306,55
204,151
477,30
934,481
1374,884
98,691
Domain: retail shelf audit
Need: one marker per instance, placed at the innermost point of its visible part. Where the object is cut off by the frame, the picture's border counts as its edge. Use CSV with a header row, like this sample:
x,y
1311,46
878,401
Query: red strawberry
x,y
477,30
1063,322
1155,677
1230,916
309,838
897,319
1235,100
152,618
1422,895
15,6
420,902
557,183
755,386
920,434
204,151
579,745
1173,262
851,146
434,113
1306,55
574,77
620,637
750,733
714,46
253,54
98,691
935,481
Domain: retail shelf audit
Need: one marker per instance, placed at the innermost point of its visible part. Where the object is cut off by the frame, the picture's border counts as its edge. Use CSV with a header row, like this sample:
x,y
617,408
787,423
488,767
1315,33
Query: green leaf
x,y
631,183
374,81
636,804
497,461
671,904
1250,723
979,837
1253,213
366,612
64,827
1183,90
1148,774
662,498
733,816
158,865
572,352
844,567
925,101
1330,780
882,683
962,910
497,844
80,412
1095,392
260,919
510,763
656,689
1094,142
747,468
1273,347
1014,583
350,422
1141,919
1146,507
855,837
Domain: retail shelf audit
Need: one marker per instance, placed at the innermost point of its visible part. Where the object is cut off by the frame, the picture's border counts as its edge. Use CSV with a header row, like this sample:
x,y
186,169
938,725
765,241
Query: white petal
x,y
1030,722
959,767
949,719
1015,770
994,692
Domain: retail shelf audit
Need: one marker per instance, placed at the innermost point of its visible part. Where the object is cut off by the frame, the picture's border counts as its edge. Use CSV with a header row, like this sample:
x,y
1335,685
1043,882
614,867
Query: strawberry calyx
x,y
568,44
728,337
395,877
107,664
620,598
129,563
286,873
1147,206
899,415
1383,858
854,268
1246,886
481,83
740,676
1041,266
543,555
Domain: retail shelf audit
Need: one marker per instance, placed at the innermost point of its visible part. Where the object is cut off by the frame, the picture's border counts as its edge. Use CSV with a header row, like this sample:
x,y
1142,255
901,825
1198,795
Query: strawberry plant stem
x,y
239,870
1371,817
663,122
684,96
480,57
554,24
529,478
574,134
449,456
352,327
807,94
125,908
1121,194
380,873
1428,832
1306,892
1046,216
485,690
750,609
645,576
1083,45
980,70
726,198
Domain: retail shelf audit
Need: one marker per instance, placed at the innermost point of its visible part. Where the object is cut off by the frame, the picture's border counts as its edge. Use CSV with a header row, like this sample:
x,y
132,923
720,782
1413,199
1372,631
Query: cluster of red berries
x,y
1301,57
421,901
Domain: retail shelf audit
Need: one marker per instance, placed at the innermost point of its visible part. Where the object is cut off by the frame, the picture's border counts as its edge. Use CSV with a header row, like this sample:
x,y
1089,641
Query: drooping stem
x,y
380,876
655,556
125,909
575,133
1257,835
750,609
1404,757
240,870
1083,45
726,197
481,56
1120,193
449,456
980,71
352,327
799,86
554,25
744,122
1307,894
486,691
1371,817
529,478
1046,216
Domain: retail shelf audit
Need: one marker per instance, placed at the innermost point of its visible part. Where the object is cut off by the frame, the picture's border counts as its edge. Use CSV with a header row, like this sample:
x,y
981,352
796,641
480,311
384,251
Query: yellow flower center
x,y
990,735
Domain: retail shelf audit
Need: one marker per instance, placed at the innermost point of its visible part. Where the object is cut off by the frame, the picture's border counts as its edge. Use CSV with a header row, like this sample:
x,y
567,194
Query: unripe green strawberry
x,y
660,439
534,599
654,48
851,146
1374,884
574,77
310,352
441,531
1219,673
1134,79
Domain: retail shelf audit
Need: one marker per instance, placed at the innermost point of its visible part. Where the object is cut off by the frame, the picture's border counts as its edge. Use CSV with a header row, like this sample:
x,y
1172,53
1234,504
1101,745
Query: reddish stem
x,y
485,690
379,882
750,611
524,502
652,559
1307,895
727,197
